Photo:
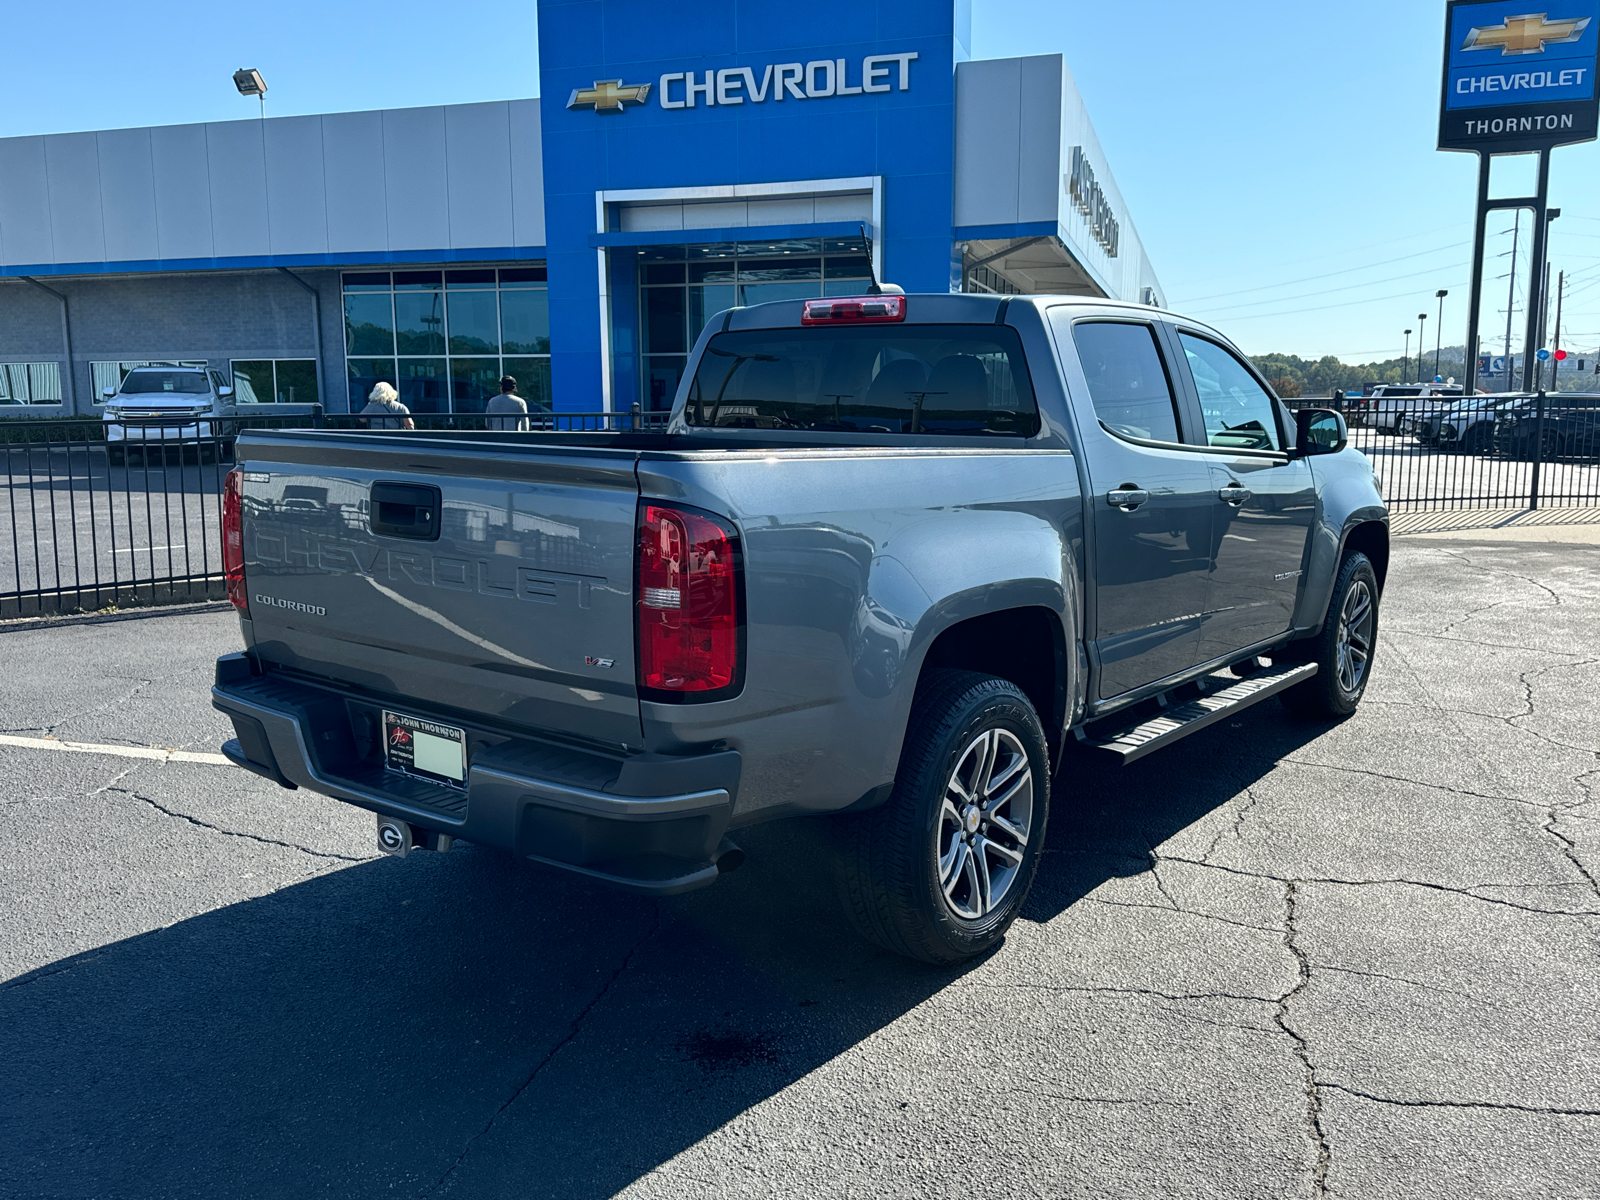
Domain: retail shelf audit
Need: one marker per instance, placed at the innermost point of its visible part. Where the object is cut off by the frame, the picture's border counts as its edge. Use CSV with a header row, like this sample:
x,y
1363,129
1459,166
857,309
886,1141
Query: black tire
x,y
116,456
1329,695
895,857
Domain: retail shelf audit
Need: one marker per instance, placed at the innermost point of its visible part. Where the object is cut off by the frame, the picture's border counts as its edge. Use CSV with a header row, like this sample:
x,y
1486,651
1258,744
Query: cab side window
x,y
1238,411
1127,380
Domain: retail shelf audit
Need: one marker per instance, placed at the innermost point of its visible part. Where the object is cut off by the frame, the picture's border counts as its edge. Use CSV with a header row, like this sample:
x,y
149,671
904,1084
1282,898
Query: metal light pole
x,y
1422,330
1438,331
1405,361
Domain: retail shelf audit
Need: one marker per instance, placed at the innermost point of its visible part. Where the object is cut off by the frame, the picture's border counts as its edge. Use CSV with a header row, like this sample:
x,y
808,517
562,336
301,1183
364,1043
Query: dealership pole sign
x,y
1517,81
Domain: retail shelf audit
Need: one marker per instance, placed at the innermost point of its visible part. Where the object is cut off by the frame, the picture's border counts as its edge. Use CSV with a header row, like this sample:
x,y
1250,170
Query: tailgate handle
x,y
406,510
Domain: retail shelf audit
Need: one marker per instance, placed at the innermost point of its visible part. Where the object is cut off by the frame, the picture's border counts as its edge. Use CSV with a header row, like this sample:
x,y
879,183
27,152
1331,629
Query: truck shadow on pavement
x,y
462,1024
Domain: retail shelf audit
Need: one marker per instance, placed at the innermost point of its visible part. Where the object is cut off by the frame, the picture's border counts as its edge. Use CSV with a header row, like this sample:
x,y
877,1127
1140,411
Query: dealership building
x,y
682,160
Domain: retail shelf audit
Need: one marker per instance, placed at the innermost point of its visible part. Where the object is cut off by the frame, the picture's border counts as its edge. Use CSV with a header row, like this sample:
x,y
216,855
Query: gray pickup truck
x,y
892,559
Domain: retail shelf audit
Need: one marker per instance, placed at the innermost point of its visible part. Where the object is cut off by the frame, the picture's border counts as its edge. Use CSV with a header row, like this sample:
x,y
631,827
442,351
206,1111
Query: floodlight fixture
x,y
249,82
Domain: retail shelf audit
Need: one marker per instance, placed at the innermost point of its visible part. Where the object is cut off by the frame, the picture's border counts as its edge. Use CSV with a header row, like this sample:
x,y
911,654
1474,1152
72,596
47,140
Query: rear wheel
x,y
941,870
1343,650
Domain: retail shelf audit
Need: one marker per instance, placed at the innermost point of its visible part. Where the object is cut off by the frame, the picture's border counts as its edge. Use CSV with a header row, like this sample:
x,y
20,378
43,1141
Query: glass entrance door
x,y
682,287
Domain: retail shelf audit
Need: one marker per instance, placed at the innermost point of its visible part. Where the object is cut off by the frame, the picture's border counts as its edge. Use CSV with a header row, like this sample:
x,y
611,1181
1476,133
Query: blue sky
x,y
1276,158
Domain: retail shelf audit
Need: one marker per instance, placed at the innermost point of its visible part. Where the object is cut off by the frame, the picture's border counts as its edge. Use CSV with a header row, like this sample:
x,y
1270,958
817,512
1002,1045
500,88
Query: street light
x,y
1422,329
249,82
1405,361
1438,331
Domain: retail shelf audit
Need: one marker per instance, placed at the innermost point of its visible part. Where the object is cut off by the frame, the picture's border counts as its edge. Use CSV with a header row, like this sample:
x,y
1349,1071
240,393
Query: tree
x,y
1286,386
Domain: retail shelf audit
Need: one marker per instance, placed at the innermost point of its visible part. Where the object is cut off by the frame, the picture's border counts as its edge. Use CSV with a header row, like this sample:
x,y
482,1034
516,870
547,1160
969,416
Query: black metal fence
x,y
97,514
1489,452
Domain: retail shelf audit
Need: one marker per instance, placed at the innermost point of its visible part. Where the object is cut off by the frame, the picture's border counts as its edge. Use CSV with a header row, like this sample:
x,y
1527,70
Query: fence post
x,y
634,423
1538,450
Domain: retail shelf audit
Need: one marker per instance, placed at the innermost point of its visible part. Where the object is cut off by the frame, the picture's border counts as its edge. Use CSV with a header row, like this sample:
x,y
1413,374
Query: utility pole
x,y
1438,330
1555,363
1405,361
1511,293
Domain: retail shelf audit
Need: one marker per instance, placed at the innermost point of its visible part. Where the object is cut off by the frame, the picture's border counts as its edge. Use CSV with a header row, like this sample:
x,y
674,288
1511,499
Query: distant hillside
x,y
1313,377
1293,376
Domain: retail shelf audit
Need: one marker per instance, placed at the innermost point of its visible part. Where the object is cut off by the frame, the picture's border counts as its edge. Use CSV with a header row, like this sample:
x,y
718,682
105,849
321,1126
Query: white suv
x,y
161,405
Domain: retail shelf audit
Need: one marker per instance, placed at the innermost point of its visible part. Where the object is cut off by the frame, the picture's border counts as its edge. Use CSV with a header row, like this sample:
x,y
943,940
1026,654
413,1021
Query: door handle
x,y
1234,494
1127,496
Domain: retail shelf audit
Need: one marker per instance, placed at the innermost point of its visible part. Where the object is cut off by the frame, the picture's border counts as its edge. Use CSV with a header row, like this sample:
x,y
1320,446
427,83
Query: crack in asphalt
x,y
1302,1049
1503,1106
1439,637
1438,787
161,808
1416,983
1238,823
1098,990
1188,912
1501,571
1421,883
1569,849
575,1028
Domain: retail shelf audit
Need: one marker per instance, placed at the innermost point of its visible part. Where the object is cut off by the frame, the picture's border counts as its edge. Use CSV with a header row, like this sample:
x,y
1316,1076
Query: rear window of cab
x,y
920,379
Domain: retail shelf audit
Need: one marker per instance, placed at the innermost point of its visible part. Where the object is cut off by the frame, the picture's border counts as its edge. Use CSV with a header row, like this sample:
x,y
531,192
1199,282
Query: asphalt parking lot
x,y
1279,960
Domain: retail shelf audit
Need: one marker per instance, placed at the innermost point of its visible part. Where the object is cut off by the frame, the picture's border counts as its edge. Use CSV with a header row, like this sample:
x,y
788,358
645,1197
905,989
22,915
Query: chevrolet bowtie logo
x,y
608,95
1525,35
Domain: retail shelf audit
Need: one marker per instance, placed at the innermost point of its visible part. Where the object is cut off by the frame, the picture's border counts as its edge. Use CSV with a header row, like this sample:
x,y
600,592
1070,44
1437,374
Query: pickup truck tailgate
x,y
496,580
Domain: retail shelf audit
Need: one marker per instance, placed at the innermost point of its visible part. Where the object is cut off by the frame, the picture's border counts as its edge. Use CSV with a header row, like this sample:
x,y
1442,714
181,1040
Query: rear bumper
x,y
650,823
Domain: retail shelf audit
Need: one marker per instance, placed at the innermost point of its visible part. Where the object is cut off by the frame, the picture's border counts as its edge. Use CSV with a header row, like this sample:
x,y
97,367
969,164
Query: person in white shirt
x,y
502,406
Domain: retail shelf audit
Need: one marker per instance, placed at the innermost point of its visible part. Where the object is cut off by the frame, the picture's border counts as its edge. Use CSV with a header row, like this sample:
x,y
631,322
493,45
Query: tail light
x,y
687,605
854,310
233,539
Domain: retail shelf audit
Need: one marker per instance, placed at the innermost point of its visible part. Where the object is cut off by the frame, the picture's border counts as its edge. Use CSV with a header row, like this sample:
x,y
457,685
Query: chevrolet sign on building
x,y
685,159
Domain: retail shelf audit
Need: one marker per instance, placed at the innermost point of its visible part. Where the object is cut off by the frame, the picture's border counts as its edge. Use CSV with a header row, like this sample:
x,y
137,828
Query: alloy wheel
x,y
1357,617
985,820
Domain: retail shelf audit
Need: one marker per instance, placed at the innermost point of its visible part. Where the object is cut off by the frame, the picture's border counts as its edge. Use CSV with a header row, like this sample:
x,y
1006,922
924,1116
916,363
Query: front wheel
x,y
1343,650
940,870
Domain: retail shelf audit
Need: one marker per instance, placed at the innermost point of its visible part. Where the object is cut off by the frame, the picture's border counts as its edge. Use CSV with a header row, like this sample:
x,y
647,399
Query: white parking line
x,y
154,753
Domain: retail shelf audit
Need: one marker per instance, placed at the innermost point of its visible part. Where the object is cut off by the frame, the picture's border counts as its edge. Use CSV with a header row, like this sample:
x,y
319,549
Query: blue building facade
x,y
682,159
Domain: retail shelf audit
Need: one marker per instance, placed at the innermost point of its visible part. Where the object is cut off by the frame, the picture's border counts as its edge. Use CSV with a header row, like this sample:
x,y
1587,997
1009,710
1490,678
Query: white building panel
x,y
183,190
478,147
352,160
128,194
527,174
414,174
1039,162
988,141
24,203
72,166
297,202
236,161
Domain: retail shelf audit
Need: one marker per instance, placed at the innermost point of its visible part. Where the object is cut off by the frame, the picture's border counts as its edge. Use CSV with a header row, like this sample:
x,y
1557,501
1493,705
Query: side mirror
x,y
108,392
1319,431
225,391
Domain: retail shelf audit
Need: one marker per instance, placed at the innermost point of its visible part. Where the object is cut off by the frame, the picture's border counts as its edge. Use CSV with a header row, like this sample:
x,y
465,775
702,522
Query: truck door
x,y
1151,502
1265,502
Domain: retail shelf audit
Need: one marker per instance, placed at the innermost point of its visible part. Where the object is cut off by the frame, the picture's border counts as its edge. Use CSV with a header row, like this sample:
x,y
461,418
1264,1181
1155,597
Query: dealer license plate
x,y
425,749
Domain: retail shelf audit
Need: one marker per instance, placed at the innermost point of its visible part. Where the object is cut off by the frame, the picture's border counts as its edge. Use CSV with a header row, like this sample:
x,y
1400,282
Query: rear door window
x,y
1128,381
1238,412
912,379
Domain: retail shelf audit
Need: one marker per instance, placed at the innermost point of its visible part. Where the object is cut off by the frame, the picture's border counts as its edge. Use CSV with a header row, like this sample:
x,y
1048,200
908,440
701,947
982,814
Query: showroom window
x,y
444,338
681,287
30,383
274,381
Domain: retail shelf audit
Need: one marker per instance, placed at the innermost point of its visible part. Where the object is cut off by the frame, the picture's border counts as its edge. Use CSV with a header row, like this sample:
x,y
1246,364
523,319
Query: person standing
x,y
384,410
502,407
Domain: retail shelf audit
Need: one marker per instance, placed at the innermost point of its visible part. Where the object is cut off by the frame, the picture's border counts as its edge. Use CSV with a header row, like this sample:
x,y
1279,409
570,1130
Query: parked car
x,y
1467,424
893,559
1571,428
164,407
1390,404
